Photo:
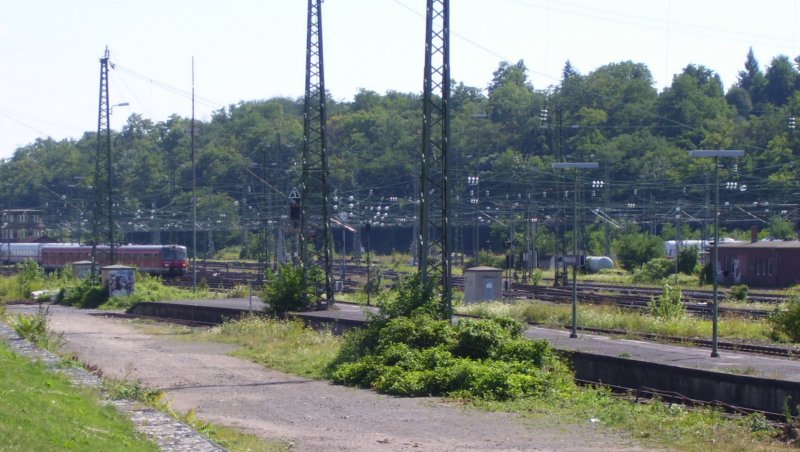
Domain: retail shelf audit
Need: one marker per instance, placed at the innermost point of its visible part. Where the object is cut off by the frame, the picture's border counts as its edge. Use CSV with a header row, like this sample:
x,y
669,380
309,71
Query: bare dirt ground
x,y
311,415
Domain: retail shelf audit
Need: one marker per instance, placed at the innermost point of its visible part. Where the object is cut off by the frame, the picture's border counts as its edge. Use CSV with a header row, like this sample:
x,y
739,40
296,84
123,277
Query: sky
x,y
255,49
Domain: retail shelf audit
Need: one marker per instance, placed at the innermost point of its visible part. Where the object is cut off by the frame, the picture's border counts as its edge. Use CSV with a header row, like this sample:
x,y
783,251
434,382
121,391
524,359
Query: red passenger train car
x,y
154,259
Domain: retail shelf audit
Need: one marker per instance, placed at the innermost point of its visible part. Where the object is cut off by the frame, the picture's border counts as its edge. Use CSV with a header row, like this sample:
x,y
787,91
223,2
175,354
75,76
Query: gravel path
x,y
311,415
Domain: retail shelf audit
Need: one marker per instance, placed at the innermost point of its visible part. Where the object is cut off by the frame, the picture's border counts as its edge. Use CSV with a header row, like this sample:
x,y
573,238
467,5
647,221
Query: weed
x,y
31,277
33,327
238,291
738,293
668,305
119,389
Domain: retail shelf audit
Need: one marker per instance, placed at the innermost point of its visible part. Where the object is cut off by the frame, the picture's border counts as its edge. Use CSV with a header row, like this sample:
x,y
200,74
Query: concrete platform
x,y
735,378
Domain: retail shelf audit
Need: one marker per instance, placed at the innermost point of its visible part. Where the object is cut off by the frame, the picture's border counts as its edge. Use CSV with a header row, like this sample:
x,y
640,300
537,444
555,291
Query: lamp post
x,y
473,181
716,154
575,165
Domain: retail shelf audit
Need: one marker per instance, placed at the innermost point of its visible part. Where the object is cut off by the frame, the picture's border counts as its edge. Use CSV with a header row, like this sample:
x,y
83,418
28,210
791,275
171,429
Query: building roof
x,y
790,244
483,268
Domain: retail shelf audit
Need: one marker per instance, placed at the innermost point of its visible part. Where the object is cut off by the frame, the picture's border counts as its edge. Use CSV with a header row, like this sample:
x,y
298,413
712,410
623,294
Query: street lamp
x,y
474,181
575,165
714,258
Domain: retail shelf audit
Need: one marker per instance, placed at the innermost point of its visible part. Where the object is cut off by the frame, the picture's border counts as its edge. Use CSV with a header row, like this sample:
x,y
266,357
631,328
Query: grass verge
x,y
41,410
558,315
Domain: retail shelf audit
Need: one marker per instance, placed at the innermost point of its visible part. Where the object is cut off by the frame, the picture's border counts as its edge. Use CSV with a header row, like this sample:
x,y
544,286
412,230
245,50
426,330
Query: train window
x,y
769,266
173,254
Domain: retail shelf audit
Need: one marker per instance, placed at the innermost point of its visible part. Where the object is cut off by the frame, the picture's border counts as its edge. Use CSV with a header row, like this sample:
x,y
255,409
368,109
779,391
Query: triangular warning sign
x,y
294,194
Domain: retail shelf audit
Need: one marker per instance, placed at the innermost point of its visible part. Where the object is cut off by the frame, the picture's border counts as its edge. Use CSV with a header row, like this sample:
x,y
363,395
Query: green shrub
x,y
687,260
419,331
33,327
414,297
411,350
30,278
477,339
738,293
537,352
668,305
786,323
536,277
633,250
285,290
654,270
83,295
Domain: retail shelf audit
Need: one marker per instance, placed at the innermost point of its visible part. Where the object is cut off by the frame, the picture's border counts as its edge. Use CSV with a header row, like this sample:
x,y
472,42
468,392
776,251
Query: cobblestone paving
x,y
169,434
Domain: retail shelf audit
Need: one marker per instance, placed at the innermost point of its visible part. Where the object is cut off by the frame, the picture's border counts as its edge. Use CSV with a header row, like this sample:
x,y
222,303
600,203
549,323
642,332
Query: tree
x,y
740,99
691,105
781,228
624,91
781,79
568,72
751,79
515,105
635,249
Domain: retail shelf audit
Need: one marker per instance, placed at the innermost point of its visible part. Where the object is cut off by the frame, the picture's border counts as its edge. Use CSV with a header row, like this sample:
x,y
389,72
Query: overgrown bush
x,y
536,277
654,271
786,323
687,260
85,294
738,293
414,297
411,349
668,305
31,277
633,250
286,292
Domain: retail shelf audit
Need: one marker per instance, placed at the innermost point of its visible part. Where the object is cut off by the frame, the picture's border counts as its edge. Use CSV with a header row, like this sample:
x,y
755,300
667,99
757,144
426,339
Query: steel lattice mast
x,y
102,172
434,190
315,236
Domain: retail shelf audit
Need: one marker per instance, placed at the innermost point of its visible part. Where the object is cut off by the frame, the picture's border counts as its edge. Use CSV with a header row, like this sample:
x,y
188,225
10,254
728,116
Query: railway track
x,y
226,276
701,308
759,349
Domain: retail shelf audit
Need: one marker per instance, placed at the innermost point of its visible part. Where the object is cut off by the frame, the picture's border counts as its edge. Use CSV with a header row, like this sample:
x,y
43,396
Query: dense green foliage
x,y
786,322
30,278
687,261
411,349
285,290
654,270
634,250
668,305
83,294
613,115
